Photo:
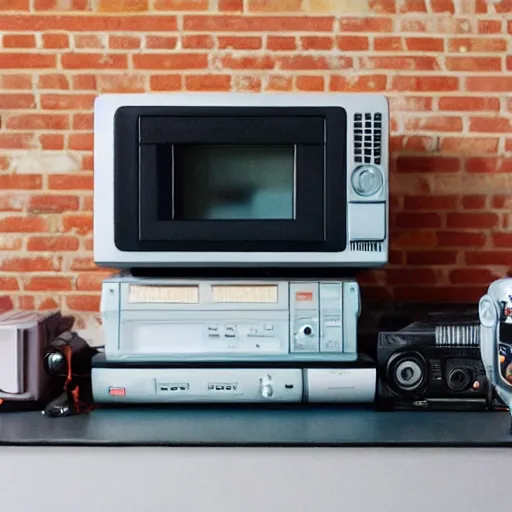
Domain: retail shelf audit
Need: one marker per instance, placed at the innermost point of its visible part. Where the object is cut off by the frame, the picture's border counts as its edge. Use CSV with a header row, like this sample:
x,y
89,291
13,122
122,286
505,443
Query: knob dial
x,y
367,180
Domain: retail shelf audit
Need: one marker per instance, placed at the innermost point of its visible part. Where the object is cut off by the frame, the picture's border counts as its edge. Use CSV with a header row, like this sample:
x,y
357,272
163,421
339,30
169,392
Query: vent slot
x,y
368,138
366,246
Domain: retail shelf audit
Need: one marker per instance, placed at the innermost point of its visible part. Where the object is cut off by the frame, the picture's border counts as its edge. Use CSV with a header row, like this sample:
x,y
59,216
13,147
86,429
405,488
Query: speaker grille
x,y
366,246
368,137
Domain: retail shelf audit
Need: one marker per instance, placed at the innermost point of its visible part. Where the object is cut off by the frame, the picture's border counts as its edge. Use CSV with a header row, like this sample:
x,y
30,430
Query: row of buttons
x,y
367,138
222,387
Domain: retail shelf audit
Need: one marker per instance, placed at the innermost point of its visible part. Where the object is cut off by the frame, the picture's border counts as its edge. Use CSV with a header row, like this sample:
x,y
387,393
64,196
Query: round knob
x,y
367,180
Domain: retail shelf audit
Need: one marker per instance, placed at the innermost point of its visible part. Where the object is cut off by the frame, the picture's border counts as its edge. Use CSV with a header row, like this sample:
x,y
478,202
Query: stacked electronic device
x,y
239,223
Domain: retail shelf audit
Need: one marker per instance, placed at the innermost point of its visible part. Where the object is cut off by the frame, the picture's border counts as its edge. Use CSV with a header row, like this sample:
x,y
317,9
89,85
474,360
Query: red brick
x,y
121,83
81,141
51,141
477,44
317,43
235,23
383,6
53,204
57,81
489,26
56,5
26,60
53,243
246,83
170,61
310,83
8,284
80,23
388,43
399,62
442,6
16,141
295,62
22,224
502,240
77,181
10,243
502,201
231,5
208,82
434,123
15,81
429,164
488,258
239,43
55,41
480,220
472,276
48,304
418,220
469,103
460,239
38,122
419,144
489,165
93,61
489,83
475,64
408,6
20,181
19,41
197,42
123,5
38,264
83,122
89,41
425,83
366,24
490,124
83,302
83,264
12,202
76,101
399,276
274,5
14,5
439,294
278,83
283,43
91,282
469,145
84,82
352,43
430,203
474,202
166,83
48,283
437,257
81,224
410,103
504,7
413,239
436,25
424,44
363,83
243,62
124,42
180,5
161,42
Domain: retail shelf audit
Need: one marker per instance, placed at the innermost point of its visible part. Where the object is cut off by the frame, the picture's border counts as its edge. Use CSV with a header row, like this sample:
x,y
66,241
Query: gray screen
x,y
215,182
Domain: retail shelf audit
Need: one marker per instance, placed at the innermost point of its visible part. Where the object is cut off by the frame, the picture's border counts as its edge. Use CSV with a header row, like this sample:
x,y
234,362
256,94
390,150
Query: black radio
x,y
434,364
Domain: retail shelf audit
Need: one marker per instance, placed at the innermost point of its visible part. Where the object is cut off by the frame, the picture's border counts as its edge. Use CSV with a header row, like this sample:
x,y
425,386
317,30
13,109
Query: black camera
x,y
434,364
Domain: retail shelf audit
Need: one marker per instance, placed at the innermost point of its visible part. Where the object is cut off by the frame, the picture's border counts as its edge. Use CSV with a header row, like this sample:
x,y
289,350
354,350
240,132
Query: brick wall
x,y
445,65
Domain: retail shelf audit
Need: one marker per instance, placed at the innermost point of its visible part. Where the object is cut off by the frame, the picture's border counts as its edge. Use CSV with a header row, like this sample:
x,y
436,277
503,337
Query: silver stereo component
x,y
157,384
152,319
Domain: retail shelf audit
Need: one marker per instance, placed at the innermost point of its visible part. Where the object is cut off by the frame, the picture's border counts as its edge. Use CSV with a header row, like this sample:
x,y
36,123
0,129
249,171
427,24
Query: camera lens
x,y
459,379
